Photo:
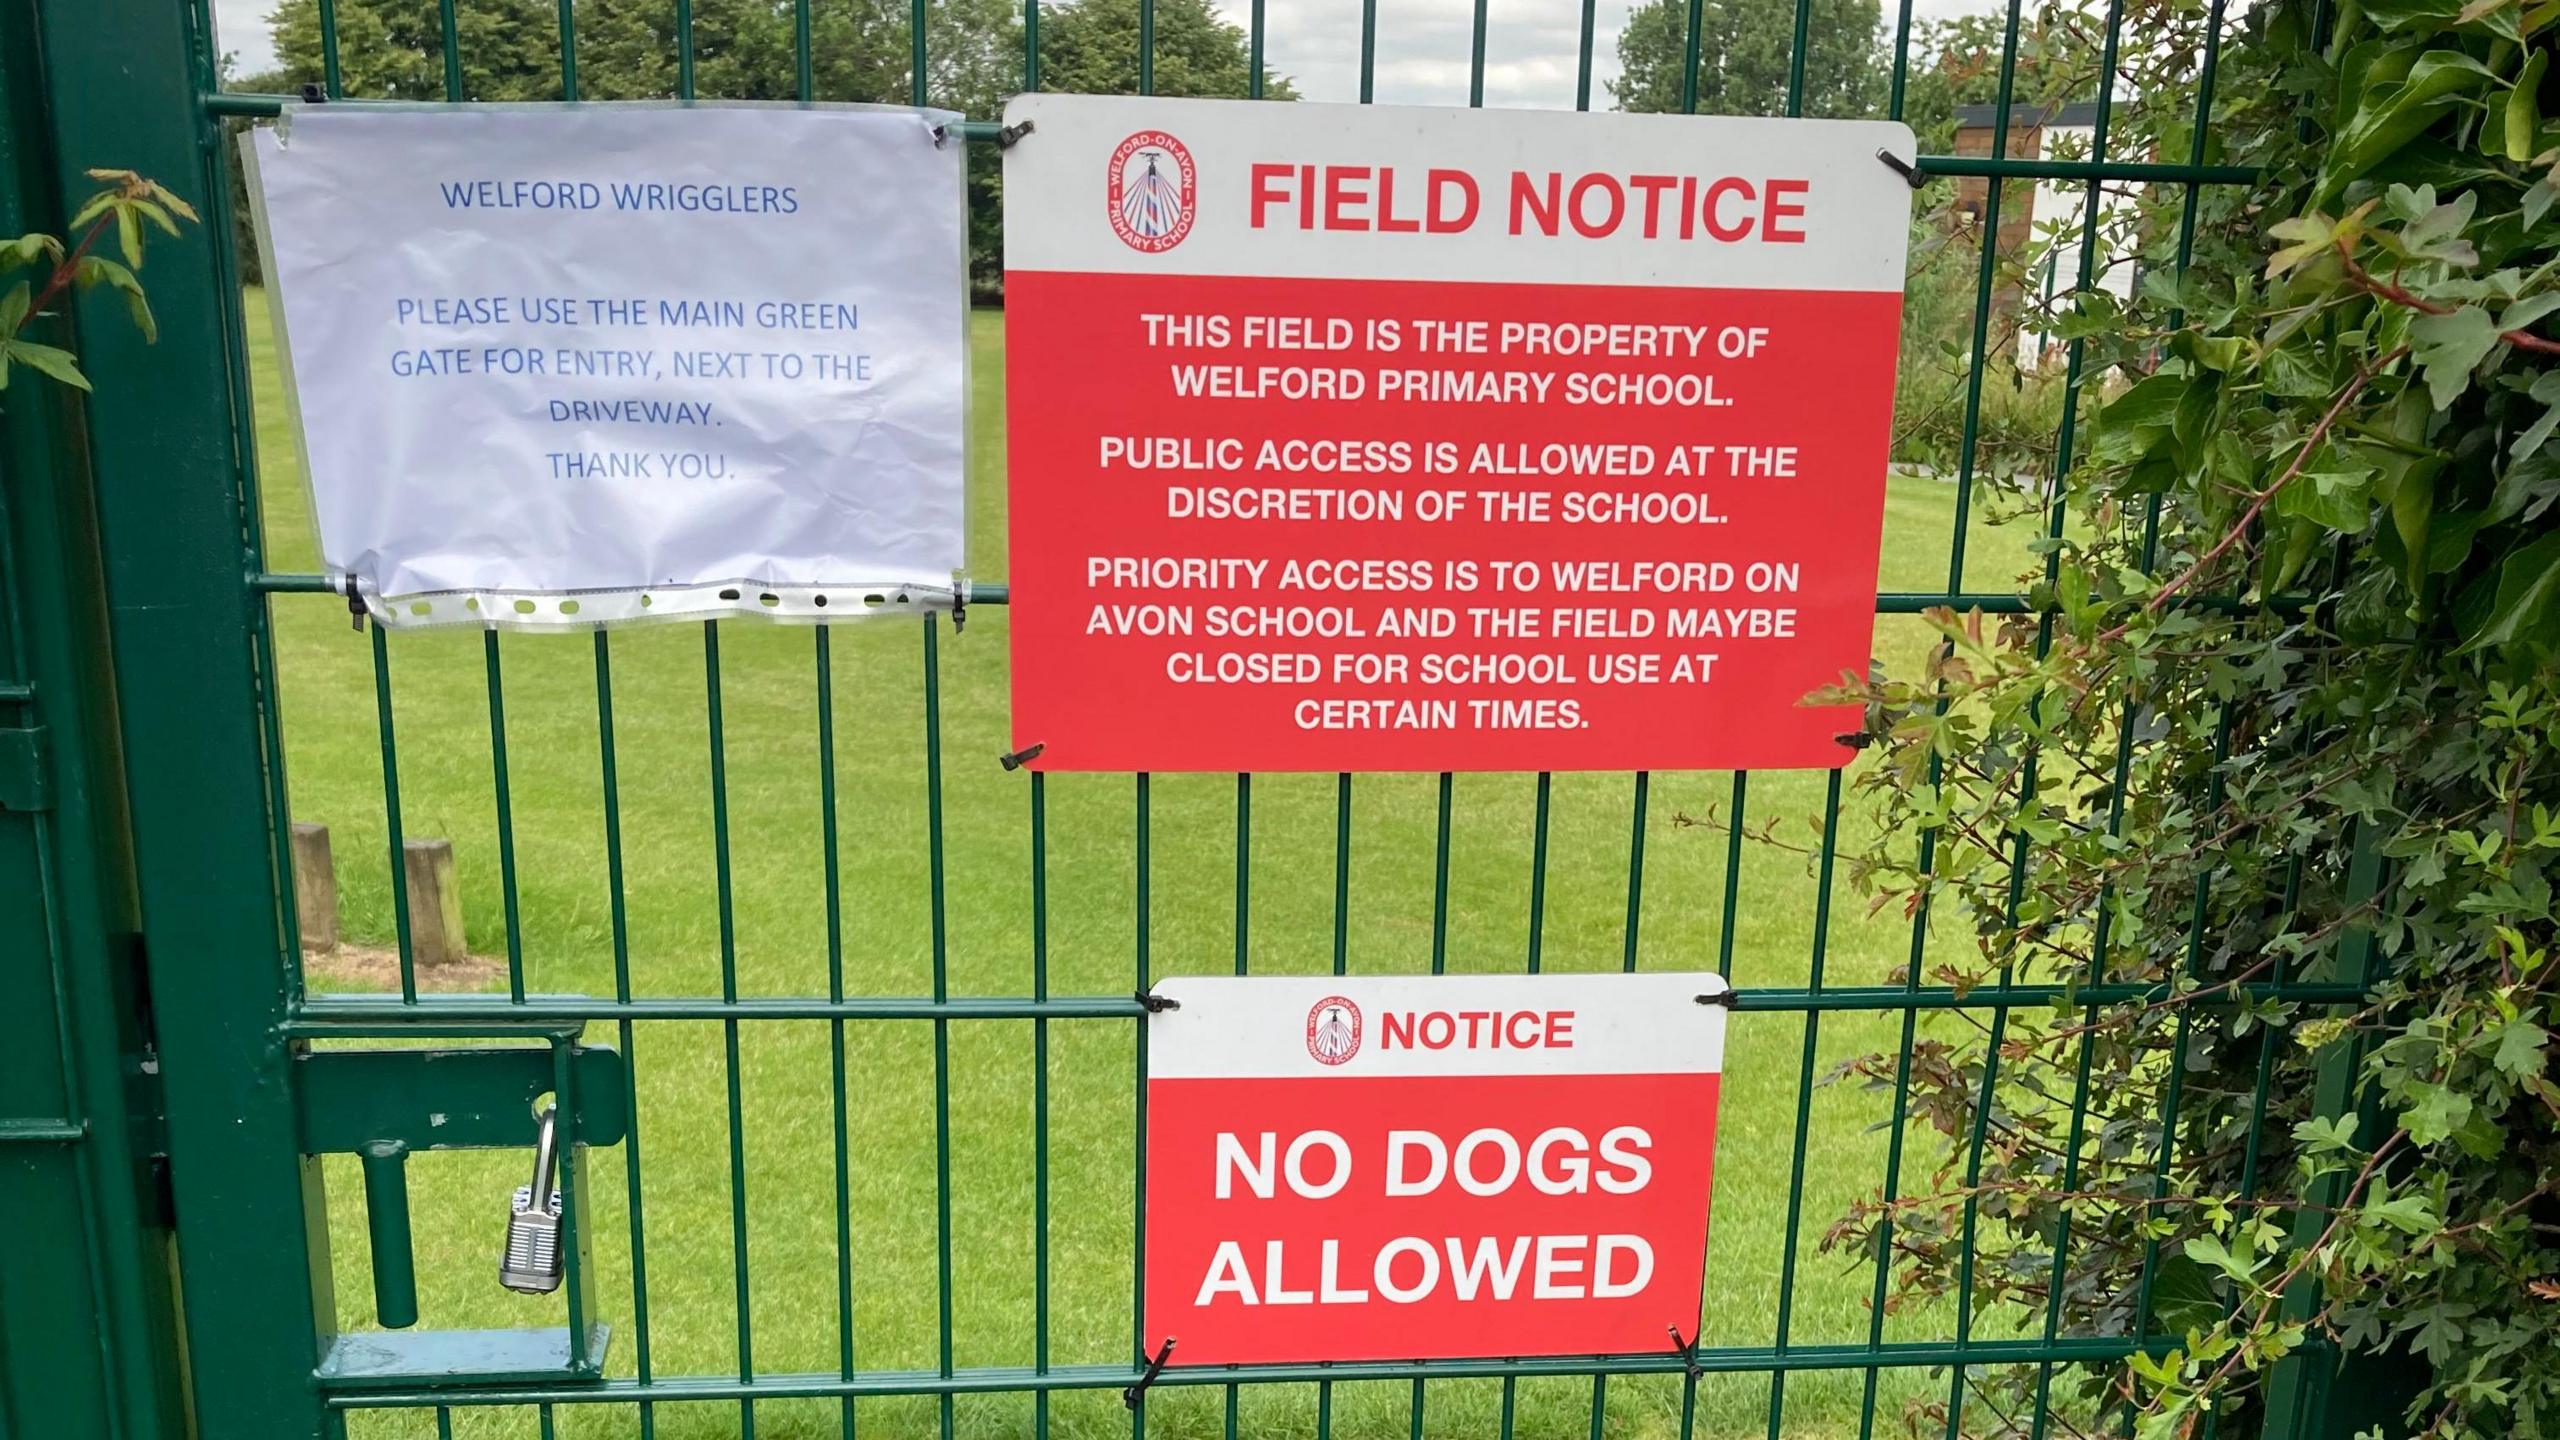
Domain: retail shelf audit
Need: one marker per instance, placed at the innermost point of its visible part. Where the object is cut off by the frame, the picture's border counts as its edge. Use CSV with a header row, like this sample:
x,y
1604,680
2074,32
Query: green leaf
x,y
2437,233
2134,423
2311,235
96,206
97,270
2520,1045
2434,1112
2524,108
2413,506
2339,500
2182,1297
129,234
2447,347
28,249
13,309
49,359
2388,117
2528,586
2546,388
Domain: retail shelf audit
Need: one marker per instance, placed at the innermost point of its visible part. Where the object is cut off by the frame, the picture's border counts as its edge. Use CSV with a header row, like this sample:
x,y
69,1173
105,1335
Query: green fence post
x,y
124,79
85,1318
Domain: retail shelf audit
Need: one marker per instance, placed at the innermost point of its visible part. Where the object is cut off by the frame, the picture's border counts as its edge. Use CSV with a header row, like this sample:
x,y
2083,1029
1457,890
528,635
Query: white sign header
x,y
1394,192
1311,1027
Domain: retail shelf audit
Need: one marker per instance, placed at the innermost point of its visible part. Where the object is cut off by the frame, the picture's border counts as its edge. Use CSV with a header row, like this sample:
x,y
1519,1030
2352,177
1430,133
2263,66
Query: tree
x,y
1090,47
1745,52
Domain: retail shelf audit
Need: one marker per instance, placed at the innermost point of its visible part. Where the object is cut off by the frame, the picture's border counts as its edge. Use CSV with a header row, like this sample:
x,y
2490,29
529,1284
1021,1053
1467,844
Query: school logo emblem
x,y
1153,192
1333,1030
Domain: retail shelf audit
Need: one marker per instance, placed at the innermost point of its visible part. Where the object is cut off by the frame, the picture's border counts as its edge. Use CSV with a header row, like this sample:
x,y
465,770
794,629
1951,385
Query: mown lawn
x,y
778,899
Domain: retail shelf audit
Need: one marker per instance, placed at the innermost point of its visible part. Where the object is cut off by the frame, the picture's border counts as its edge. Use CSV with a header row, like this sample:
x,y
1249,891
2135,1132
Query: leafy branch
x,y
124,203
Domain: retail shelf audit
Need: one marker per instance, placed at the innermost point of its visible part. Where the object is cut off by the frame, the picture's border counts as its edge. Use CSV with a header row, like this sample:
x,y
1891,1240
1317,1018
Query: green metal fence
x,y
919,989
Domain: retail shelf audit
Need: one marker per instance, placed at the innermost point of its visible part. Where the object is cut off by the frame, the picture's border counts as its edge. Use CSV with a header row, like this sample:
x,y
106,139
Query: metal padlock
x,y
532,1260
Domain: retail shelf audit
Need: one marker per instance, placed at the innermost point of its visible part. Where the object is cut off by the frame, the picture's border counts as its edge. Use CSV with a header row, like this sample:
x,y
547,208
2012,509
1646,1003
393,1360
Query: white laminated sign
x,y
566,365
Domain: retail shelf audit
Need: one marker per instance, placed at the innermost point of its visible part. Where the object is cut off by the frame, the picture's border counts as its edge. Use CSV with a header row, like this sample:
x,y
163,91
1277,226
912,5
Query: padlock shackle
x,y
546,1147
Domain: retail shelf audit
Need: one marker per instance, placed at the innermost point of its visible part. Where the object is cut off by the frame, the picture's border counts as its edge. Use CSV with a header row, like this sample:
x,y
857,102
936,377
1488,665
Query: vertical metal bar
x,y
1244,953
1138,1128
1732,875
1342,873
1031,81
1244,872
1368,51
804,78
743,1296
445,20
2073,372
331,82
497,683
1440,881
573,1256
1689,106
919,79
941,991
391,817
1538,834
684,49
1475,57
1146,47
1040,1098
386,1218
1341,966
568,65
1804,1100
1796,56
1892,1187
832,858
1635,869
620,918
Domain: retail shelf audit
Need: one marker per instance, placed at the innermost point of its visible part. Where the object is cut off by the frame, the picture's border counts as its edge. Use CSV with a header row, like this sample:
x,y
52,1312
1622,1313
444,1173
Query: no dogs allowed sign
x,y
1389,438
1428,1167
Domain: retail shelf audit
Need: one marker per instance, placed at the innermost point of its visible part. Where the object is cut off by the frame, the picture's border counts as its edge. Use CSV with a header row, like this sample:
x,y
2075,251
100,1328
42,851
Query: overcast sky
x,y
1530,46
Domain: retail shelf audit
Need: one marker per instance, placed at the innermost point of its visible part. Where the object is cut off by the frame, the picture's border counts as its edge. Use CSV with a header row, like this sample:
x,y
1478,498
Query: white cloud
x,y
240,28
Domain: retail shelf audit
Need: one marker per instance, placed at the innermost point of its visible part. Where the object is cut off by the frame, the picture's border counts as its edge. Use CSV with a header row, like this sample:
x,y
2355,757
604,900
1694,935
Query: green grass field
x,y
772,770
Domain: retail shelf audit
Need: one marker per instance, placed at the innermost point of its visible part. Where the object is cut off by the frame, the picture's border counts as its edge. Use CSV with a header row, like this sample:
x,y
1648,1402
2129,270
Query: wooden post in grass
x,y
315,887
435,903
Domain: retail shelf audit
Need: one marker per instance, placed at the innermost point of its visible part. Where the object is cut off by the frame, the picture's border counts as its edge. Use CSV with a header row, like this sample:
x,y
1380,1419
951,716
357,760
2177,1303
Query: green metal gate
x,y
967,1015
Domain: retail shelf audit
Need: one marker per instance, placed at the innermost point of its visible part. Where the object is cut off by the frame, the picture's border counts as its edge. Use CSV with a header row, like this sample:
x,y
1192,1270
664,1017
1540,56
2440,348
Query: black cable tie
x,y
1725,999
1911,174
355,606
1855,739
312,94
1022,757
1687,1350
959,608
1132,1396
1157,1005
1007,137
940,134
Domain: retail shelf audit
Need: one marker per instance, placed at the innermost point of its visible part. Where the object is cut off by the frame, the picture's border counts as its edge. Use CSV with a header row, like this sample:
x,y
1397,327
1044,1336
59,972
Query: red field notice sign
x,y
1428,1167
1382,438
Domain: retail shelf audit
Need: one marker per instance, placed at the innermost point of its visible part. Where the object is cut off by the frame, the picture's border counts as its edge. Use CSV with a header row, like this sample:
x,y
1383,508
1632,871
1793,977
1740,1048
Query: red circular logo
x,y
1153,192
1333,1030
